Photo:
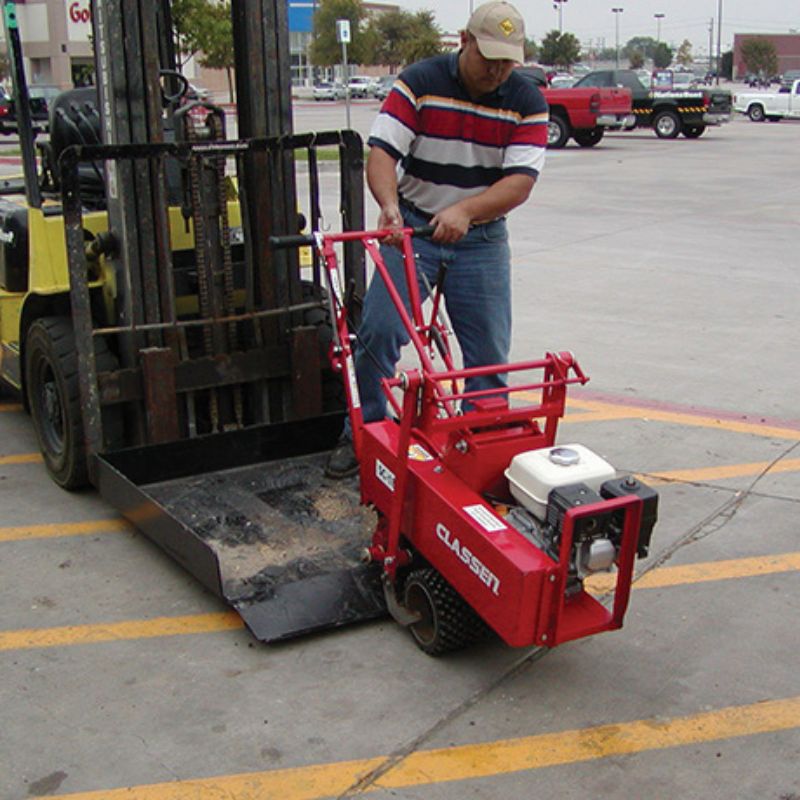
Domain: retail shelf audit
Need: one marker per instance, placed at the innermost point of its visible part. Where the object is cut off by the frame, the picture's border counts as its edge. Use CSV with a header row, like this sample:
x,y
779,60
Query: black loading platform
x,y
252,516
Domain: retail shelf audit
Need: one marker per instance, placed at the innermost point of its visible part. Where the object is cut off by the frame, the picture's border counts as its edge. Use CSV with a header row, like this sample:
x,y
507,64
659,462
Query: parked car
x,y
359,85
385,86
562,81
326,90
40,97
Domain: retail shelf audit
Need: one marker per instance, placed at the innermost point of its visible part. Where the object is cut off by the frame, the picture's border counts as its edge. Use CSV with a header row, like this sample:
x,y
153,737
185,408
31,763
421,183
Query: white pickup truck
x,y
774,106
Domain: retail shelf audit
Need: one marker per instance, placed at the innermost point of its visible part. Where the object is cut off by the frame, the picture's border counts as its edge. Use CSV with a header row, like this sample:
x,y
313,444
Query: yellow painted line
x,y
54,529
703,572
119,631
469,762
21,458
678,418
10,407
727,471
212,623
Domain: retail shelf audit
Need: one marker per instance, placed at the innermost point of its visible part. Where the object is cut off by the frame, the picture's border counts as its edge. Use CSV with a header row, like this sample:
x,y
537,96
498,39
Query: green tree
x,y
325,50
684,56
188,19
560,49
385,35
636,59
644,44
531,50
215,41
760,57
662,56
203,28
425,38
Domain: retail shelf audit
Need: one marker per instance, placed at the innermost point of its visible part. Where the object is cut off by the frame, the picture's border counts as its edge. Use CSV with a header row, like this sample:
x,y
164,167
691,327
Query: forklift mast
x,y
253,303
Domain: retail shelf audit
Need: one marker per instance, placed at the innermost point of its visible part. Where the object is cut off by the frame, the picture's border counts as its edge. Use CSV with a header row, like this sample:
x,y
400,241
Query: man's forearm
x,y
498,199
382,177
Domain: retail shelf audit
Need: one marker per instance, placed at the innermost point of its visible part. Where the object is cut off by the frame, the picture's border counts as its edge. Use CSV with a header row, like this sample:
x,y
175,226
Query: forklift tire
x,y
51,368
447,623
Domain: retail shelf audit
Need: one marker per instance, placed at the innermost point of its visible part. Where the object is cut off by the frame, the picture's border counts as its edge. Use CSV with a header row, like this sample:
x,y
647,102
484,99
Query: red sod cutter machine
x,y
482,520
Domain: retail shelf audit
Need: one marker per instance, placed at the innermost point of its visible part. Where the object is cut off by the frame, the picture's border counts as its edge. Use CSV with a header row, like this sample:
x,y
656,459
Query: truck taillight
x,y
594,103
706,99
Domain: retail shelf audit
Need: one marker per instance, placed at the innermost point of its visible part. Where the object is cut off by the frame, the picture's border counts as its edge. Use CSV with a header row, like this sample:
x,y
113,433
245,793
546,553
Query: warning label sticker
x,y
485,518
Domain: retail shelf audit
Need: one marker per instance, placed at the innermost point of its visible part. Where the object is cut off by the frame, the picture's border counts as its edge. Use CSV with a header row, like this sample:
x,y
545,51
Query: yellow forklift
x,y
166,354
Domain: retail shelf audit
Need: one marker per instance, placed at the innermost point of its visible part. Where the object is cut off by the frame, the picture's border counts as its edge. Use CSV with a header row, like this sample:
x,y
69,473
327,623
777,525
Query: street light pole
x,y
617,12
658,17
560,5
719,40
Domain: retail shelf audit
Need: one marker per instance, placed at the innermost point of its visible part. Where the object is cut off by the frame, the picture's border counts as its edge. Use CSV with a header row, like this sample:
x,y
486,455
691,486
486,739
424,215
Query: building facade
x,y
787,47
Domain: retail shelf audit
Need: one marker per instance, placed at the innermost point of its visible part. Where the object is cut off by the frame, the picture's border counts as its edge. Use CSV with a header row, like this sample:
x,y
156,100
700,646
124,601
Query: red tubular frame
x,y
439,500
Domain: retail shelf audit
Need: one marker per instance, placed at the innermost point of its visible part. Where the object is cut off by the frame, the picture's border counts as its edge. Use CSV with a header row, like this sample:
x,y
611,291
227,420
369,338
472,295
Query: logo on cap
x,y
507,27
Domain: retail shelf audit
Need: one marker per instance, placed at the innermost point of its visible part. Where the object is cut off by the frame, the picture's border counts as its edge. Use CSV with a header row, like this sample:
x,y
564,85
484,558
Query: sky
x,y
593,19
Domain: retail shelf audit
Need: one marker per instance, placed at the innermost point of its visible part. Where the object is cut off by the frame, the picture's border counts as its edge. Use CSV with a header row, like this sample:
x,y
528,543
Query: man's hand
x,y
390,217
451,224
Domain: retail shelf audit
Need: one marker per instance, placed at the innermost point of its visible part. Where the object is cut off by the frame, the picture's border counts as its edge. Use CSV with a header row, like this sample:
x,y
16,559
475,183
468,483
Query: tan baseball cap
x,y
499,30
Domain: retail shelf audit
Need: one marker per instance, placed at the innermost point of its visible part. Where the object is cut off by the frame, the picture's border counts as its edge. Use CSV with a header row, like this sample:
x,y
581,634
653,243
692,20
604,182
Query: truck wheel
x,y
447,623
693,131
51,369
588,137
666,124
756,112
557,132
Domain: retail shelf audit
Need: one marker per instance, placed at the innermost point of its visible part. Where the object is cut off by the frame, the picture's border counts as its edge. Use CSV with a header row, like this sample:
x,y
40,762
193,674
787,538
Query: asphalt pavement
x,y
670,270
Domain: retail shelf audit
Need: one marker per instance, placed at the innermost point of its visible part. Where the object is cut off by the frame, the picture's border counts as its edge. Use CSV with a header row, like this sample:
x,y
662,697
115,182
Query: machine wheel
x,y
666,124
756,112
588,137
557,131
447,623
694,131
51,369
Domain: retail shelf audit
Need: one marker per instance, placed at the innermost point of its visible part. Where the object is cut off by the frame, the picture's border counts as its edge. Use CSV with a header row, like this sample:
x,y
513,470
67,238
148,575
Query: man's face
x,y
481,75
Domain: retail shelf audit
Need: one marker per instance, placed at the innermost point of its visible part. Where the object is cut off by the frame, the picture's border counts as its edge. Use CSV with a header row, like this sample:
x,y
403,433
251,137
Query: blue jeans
x,y
477,294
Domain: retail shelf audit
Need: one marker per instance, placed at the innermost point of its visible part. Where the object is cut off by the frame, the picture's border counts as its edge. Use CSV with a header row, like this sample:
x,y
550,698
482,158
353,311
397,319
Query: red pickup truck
x,y
583,114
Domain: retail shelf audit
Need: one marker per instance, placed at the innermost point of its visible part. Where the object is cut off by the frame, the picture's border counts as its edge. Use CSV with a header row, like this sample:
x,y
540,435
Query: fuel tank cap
x,y
564,456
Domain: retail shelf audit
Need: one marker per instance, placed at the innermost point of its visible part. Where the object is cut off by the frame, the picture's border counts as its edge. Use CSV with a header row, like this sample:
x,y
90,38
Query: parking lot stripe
x,y
612,411
703,572
469,762
702,474
51,530
21,458
31,638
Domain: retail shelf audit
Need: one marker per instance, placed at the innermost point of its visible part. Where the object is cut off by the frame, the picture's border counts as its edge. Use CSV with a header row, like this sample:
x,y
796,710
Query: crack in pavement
x,y
718,518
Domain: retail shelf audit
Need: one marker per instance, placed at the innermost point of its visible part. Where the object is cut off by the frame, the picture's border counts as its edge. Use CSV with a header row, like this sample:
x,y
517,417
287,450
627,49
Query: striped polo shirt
x,y
449,146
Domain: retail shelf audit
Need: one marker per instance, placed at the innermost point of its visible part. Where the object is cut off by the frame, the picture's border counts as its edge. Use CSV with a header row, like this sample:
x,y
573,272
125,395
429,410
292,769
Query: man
x,y
469,137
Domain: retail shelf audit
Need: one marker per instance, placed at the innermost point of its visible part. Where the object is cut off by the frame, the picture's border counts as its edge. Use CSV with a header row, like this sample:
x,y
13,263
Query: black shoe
x,y
342,461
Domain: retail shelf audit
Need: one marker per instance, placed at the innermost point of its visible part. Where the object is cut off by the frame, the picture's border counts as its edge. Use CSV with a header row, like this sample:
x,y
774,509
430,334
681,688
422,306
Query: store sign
x,y
79,12
79,20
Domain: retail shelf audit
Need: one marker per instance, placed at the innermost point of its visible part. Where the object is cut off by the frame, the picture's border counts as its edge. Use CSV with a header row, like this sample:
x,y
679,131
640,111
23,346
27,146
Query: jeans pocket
x,y
496,231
